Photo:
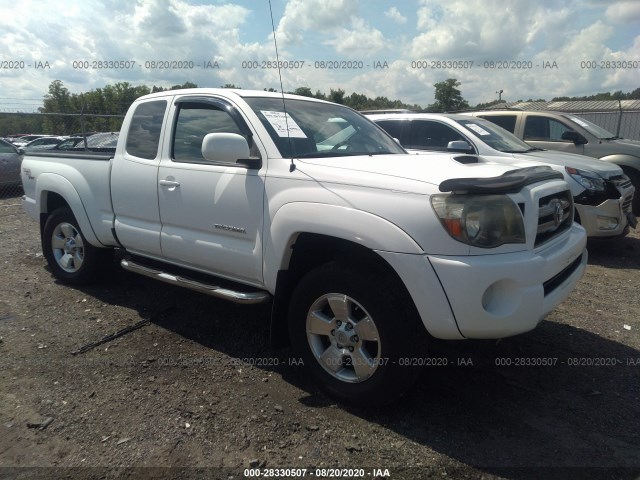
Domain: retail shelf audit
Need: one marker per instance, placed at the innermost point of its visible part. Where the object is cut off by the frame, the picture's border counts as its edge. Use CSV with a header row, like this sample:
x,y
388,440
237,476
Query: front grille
x,y
553,283
555,215
626,204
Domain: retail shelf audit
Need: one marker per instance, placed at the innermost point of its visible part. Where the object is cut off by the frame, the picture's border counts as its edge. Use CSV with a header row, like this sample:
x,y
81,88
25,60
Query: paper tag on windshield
x,y
280,122
477,128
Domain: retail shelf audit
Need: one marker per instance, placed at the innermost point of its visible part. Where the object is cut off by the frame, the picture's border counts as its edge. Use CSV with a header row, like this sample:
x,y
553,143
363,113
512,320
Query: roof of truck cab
x,y
416,115
229,92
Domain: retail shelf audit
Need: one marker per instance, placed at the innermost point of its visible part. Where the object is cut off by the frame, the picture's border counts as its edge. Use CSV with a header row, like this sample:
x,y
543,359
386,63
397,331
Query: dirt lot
x,y
199,390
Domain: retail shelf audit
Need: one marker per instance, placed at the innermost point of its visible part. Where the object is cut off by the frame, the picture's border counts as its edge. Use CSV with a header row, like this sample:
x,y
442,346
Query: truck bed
x,y
86,180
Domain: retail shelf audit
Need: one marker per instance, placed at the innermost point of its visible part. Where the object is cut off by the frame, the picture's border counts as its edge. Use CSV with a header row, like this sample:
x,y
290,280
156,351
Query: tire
x,y
334,306
71,258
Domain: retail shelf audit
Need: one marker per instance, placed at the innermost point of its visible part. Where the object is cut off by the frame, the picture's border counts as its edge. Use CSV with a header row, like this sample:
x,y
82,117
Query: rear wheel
x,y
354,334
72,259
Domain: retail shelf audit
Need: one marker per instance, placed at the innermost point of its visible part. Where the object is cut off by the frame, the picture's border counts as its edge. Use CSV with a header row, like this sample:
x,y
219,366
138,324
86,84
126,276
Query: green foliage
x,y
618,95
108,100
116,99
448,97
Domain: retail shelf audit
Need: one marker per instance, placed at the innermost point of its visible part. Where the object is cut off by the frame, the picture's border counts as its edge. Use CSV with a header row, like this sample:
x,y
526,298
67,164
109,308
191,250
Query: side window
x,y
195,120
508,122
543,128
395,128
430,135
143,137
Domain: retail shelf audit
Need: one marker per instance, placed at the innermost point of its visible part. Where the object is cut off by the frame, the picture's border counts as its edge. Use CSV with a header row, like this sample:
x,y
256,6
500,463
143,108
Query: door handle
x,y
169,183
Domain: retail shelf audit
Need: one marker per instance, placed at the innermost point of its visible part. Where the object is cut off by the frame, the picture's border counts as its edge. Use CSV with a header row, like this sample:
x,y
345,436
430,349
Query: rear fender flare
x,y
54,183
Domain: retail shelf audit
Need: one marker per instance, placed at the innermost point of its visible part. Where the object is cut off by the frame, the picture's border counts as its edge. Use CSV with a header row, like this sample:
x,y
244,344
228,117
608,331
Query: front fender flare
x,y
623,160
363,228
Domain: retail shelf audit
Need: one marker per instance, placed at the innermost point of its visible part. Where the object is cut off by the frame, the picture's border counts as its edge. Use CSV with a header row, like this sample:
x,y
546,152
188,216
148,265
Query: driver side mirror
x,y
459,146
574,137
228,148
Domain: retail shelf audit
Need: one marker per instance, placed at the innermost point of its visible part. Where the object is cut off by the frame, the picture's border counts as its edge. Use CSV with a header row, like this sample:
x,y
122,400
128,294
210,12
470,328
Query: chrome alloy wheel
x,y
67,247
343,338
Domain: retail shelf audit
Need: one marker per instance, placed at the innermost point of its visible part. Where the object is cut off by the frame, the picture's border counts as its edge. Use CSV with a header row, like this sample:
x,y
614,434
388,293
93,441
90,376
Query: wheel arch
x,y
312,250
54,191
625,161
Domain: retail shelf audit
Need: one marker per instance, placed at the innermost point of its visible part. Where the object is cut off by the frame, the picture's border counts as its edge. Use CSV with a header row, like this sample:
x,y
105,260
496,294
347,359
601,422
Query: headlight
x,y
589,180
485,221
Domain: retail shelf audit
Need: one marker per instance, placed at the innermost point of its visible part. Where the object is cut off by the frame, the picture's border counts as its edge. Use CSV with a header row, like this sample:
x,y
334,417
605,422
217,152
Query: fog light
x,y
502,298
607,223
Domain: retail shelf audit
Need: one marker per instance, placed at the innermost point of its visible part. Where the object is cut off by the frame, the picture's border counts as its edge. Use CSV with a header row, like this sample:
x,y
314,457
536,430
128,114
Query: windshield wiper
x,y
337,153
612,138
532,149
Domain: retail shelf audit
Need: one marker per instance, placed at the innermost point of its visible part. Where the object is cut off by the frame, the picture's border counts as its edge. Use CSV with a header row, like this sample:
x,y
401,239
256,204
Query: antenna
x,y
292,167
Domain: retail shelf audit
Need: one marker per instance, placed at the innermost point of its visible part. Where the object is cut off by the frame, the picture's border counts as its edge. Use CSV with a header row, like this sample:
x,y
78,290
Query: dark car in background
x,y
10,159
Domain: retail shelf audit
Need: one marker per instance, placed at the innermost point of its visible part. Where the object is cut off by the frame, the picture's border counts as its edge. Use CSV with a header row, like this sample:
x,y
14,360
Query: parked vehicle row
x,y
11,154
602,193
363,249
571,134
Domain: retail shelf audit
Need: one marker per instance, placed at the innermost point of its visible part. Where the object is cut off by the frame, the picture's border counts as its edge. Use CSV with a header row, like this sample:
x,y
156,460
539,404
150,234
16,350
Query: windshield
x,y
320,129
592,128
494,136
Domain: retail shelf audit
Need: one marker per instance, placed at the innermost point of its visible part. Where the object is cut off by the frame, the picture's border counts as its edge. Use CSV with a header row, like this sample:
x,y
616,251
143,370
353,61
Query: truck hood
x,y
433,167
604,169
625,145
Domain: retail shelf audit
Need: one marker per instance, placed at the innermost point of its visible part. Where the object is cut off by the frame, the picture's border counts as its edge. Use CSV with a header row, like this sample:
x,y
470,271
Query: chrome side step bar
x,y
259,296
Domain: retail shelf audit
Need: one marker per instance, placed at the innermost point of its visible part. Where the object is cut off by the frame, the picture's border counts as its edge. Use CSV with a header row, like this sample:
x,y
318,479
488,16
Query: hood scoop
x,y
465,159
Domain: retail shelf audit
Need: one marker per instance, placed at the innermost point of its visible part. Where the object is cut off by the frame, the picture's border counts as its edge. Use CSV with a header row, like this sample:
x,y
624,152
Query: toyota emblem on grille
x,y
558,212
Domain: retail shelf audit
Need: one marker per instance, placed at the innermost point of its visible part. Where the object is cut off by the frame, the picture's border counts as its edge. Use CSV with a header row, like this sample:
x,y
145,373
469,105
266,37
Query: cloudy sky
x,y
415,42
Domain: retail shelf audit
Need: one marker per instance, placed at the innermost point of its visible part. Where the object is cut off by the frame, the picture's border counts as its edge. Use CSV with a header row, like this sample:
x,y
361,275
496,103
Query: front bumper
x,y
605,220
492,296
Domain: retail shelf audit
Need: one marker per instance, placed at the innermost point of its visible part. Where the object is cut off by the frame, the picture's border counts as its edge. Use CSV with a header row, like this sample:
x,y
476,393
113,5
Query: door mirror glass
x,y
459,146
225,147
574,137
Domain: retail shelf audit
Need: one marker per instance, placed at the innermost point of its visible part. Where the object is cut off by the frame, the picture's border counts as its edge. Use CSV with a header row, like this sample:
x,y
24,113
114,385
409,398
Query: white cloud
x,y
565,31
394,14
624,12
359,40
489,29
301,16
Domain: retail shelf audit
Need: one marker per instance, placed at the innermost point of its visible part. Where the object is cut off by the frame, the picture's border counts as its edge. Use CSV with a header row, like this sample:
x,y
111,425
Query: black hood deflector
x,y
509,182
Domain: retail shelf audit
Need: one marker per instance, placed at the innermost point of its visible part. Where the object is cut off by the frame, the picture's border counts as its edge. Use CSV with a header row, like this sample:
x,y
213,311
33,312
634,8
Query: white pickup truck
x,y
363,249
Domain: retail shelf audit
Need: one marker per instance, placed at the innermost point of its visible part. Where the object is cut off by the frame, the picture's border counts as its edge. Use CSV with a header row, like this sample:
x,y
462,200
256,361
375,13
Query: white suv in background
x,y
602,194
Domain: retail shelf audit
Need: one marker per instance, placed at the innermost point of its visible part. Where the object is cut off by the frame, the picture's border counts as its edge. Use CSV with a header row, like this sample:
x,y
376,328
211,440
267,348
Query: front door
x,y
211,213
544,132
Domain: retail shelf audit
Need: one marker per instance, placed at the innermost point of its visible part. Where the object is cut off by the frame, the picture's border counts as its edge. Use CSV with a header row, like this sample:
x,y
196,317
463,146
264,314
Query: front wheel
x,y
354,334
71,258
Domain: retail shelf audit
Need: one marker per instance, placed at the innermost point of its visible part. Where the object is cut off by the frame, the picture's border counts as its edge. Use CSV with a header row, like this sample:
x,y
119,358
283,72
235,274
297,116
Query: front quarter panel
x,y
342,222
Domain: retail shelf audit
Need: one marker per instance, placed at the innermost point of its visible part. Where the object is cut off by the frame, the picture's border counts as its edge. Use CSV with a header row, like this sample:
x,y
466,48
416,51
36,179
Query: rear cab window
x,y
508,122
143,137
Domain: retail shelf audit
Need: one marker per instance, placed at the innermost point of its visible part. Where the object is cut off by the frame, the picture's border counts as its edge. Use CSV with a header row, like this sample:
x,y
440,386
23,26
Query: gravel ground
x,y
198,392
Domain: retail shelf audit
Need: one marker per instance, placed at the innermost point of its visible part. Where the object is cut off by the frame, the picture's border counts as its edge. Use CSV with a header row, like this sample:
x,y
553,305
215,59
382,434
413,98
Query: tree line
x,y
112,102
